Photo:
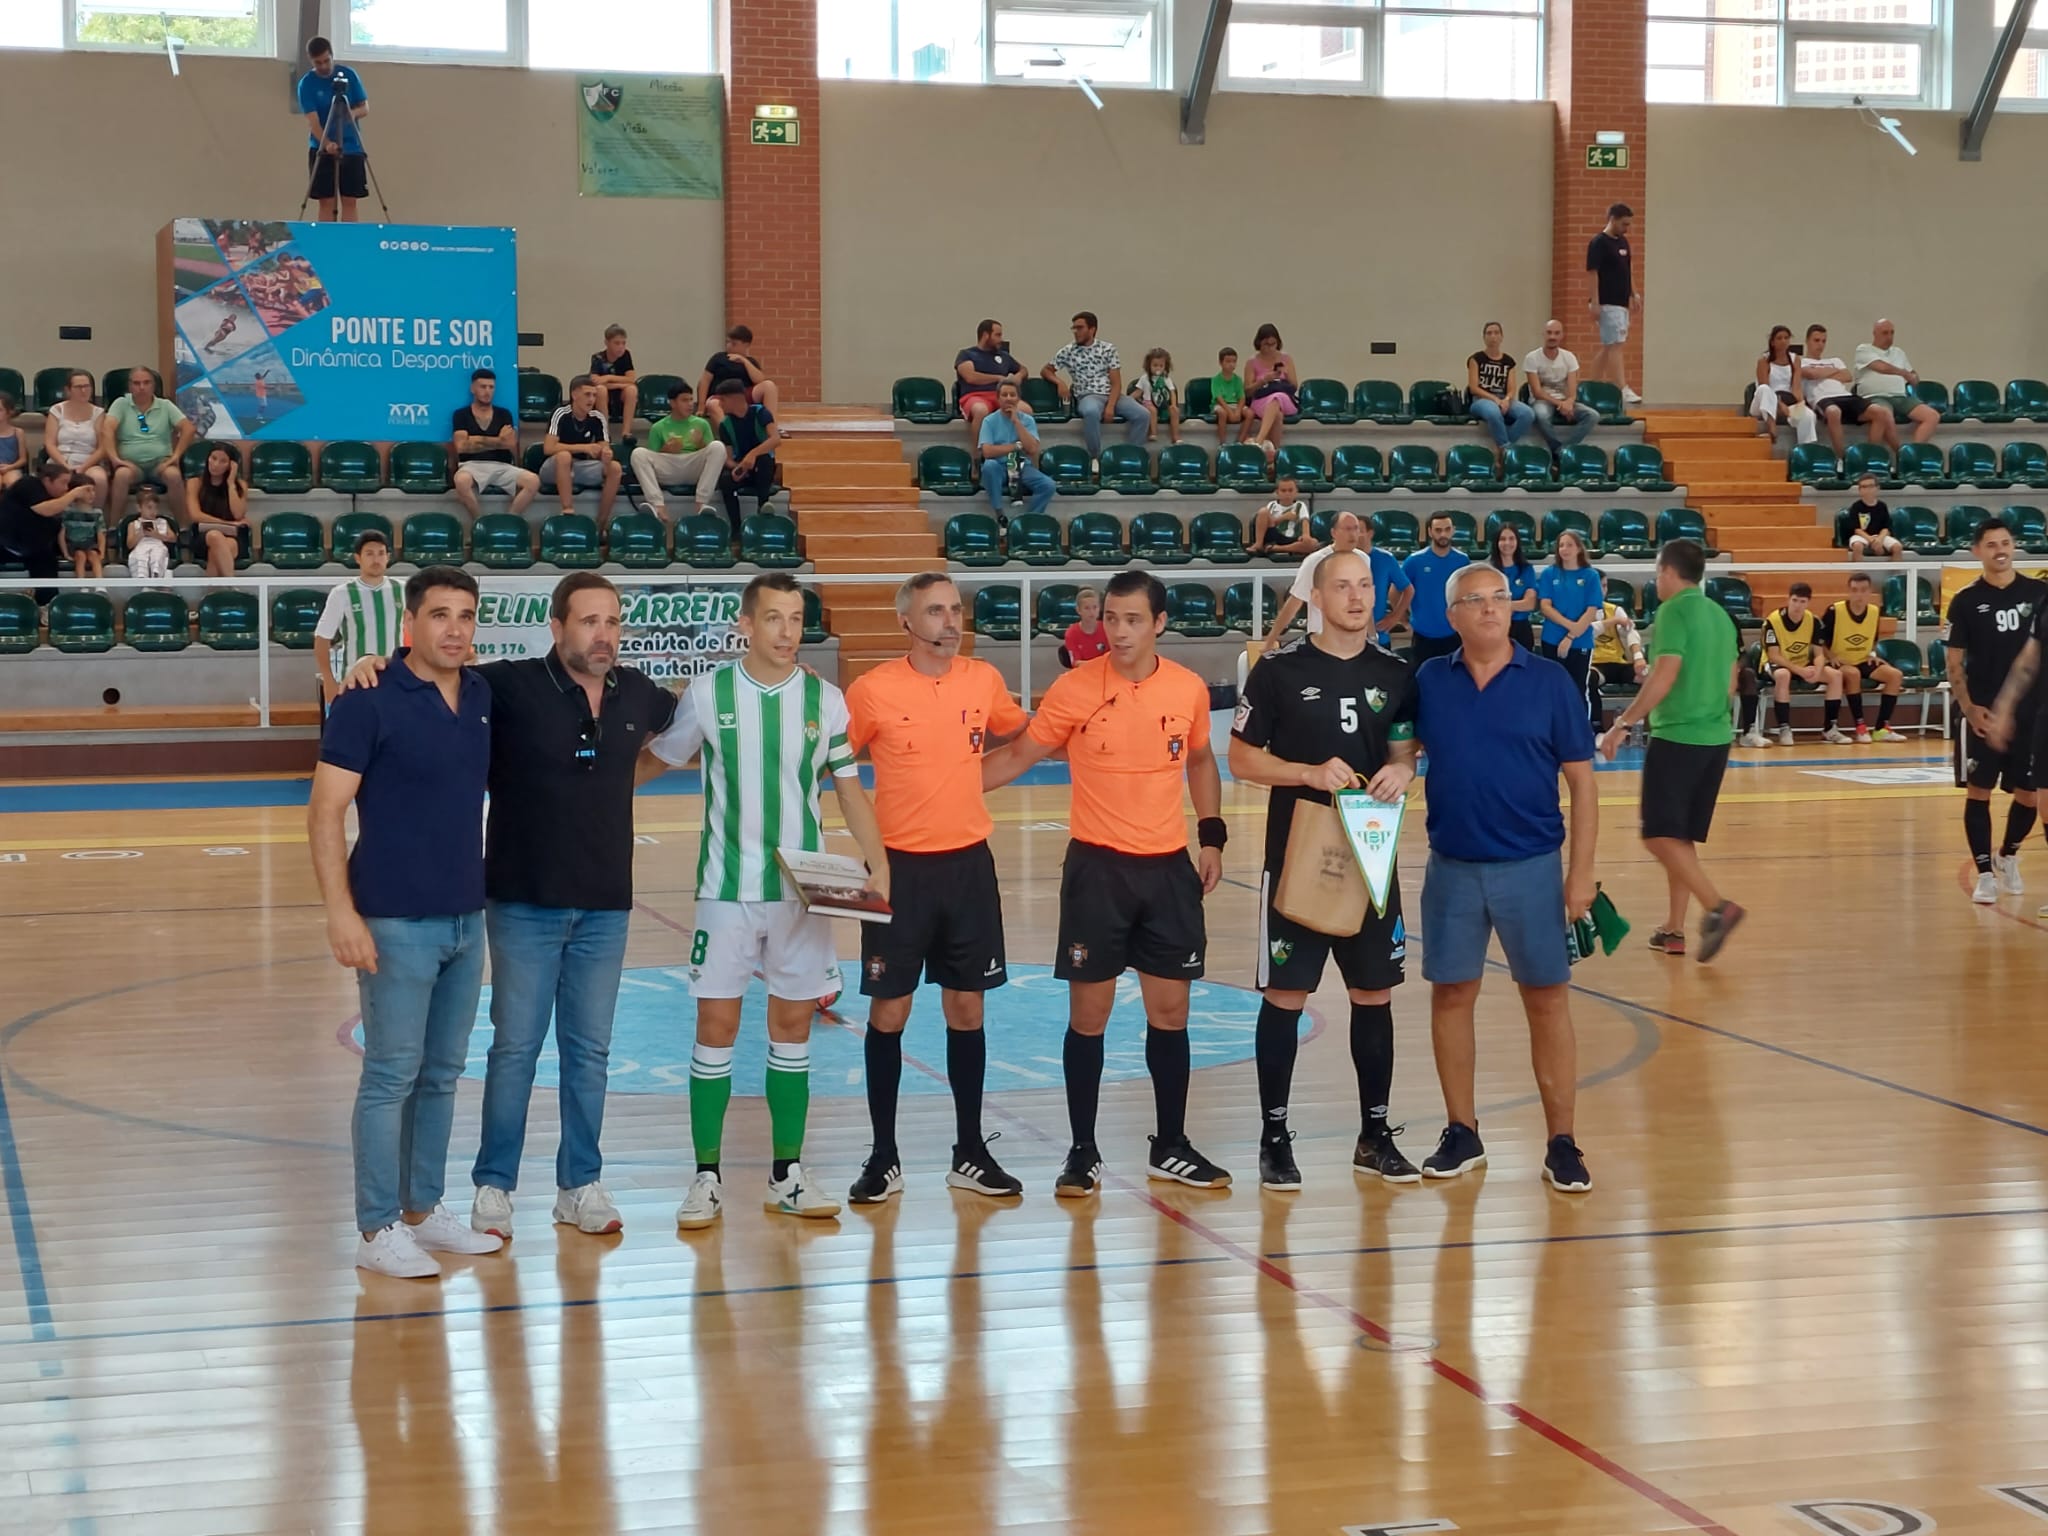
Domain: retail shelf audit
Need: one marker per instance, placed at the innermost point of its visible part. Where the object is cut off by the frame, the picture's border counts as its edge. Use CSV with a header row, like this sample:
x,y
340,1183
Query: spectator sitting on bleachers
x,y
1095,385
579,451
1848,636
735,365
82,539
71,433
1155,390
13,446
1086,639
682,449
1791,638
217,508
1618,660
1884,372
611,370
30,510
1009,440
485,438
1226,396
750,435
1553,375
1505,555
1776,398
143,436
1826,382
1490,393
150,537
1869,524
1280,527
980,369
1272,381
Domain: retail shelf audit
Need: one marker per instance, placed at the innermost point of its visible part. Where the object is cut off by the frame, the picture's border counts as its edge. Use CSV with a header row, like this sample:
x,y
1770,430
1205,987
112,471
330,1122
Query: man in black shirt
x,y
735,365
485,438
32,514
1612,297
1989,625
1327,712
750,436
2024,691
579,451
612,371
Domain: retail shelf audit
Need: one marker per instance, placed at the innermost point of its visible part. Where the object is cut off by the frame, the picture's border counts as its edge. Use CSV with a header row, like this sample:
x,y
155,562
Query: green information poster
x,y
650,136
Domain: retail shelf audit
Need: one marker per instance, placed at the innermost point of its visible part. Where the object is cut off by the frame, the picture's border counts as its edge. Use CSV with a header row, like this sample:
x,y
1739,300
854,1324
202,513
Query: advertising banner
x,y
650,136
671,632
314,332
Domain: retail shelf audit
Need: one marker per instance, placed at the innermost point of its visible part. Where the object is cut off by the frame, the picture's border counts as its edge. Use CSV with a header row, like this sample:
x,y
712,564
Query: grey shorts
x,y
1466,904
1613,324
584,475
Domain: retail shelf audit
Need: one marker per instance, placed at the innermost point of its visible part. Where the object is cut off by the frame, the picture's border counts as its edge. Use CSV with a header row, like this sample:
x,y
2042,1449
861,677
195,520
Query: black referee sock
x,y
1167,1058
1278,1036
1885,705
1977,828
2019,821
1372,1054
966,1068
1082,1058
1855,703
1781,711
884,1053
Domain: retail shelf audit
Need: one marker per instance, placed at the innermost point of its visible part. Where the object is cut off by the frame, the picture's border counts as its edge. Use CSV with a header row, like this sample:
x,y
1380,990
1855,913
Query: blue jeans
x,y
1561,433
1522,900
418,1009
545,961
995,476
1506,426
1092,408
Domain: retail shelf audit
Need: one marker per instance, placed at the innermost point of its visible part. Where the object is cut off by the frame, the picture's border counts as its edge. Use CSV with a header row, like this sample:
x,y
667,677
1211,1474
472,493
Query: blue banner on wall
x,y
313,332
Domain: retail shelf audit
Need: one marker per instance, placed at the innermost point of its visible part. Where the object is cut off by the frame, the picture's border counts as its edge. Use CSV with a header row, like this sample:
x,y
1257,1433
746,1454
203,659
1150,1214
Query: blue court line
x,y
28,1255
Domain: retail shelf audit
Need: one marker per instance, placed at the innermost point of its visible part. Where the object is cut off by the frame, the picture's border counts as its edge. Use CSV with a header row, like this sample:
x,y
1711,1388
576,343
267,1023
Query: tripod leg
x,y
376,186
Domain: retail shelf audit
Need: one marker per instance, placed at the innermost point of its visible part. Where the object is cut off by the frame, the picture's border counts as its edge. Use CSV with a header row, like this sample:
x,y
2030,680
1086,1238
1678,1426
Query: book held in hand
x,y
832,885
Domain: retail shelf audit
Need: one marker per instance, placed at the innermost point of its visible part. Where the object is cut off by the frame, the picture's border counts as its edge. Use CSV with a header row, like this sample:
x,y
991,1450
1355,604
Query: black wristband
x,y
1212,831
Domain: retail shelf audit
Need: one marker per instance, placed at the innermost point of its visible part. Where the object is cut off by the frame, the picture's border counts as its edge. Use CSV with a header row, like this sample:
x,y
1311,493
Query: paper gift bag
x,y
1320,886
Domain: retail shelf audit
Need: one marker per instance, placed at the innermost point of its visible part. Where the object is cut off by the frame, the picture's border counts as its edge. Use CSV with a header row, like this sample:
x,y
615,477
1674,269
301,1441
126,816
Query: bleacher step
x,y
837,474
803,498
871,520
864,565
817,448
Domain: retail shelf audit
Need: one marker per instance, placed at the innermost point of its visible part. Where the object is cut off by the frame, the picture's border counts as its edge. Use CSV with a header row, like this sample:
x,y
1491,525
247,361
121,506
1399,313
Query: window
x,y
1442,48
1106,42
651,37
1111,45
197,26
32,24
2027,84
477,28
1497,58
1792,52
1694,63
1293,58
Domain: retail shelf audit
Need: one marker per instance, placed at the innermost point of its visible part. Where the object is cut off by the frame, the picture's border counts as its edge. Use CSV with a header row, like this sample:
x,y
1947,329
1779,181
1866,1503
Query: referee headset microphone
x,y
1133,634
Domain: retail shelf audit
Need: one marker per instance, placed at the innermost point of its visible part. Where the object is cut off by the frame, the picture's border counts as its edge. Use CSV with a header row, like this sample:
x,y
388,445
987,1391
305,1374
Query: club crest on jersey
x,y
810,730
1077,954
1282,950
1175,745
876,966
975,735
1376,698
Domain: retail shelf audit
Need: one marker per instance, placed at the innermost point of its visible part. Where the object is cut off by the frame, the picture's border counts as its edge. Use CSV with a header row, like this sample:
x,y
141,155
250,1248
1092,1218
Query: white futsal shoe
x,y
587,1208
703,1204
792,1195
444,1232
2007,868
393,1252
491,1211
1755,737
1986,894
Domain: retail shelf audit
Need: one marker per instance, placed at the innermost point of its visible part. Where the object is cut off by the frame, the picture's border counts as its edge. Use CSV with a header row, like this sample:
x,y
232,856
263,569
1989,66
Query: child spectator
x,y
1155,390
14,451
1868,523
149,539
1281,526
1087,639
1226,396
82,539
612,372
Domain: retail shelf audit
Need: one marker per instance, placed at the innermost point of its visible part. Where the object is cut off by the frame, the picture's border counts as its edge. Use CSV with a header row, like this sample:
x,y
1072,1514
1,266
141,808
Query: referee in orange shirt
x,y
1134,725
926,719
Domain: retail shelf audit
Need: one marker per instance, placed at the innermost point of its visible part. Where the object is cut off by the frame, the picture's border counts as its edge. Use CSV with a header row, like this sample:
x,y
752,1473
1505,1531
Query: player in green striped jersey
x,y
363,616
770,734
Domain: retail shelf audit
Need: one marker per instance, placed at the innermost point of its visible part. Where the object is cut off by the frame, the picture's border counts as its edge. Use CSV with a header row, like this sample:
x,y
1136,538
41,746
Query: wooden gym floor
x,y
1812,1268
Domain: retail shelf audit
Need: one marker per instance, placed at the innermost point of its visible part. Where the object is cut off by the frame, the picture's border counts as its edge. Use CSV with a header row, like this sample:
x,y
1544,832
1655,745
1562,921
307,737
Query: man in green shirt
x,y
1226,396
144,436
681,450
1694,649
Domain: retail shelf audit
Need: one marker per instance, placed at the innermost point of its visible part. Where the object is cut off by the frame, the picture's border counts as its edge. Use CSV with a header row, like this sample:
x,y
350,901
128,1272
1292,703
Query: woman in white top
x,y
71,434
1777,389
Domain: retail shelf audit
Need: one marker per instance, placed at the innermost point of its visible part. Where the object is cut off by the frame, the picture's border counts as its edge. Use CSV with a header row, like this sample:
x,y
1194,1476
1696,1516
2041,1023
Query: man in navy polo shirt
x,y
1499,725
405,912
1427,570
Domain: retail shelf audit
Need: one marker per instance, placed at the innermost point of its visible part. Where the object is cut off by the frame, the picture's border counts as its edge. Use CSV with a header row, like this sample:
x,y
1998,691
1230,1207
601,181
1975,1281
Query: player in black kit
x,y
1989,622
1322,714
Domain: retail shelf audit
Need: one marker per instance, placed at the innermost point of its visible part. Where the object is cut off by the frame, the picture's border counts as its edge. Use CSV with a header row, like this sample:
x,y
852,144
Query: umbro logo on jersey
x,y
1308,694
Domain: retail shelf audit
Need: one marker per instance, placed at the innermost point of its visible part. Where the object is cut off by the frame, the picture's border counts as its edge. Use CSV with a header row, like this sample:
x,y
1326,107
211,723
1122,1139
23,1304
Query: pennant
x,y
1374,828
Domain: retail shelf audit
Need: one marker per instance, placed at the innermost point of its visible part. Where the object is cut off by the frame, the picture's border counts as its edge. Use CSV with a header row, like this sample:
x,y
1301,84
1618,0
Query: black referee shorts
x,y
1681,782
946,921
355,180
1980,765
1129,911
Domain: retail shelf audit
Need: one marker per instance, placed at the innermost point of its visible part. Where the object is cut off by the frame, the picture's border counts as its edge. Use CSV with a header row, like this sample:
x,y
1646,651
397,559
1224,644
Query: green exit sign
x,y
1606,157
775,131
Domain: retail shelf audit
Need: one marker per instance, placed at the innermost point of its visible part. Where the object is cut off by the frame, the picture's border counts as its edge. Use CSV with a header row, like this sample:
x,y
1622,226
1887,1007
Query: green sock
x,y
789,1097
710,1092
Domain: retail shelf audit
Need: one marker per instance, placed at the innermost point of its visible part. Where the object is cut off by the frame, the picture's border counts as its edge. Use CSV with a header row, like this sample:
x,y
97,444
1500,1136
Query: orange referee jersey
x,y
1127,751
926,736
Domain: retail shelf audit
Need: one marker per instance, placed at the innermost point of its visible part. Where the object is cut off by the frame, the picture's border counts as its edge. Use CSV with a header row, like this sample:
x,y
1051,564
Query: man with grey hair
x,y
1348,532
1885,375
1553,375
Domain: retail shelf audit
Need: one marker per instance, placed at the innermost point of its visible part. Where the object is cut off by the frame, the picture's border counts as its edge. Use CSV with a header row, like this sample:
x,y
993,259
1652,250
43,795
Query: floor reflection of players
x,y
400,1397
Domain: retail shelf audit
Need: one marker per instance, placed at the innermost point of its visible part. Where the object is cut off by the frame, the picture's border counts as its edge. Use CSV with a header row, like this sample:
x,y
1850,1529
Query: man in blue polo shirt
x,y
1499,725
405,912
334,155
1427,570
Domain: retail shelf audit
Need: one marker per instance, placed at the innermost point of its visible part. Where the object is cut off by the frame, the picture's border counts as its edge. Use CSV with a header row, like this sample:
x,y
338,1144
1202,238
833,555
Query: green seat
x,y
1529,467
49,388
1127,469
1242,467
13,386
1321,523
1972,463
1066,465
1522,522
998,611
431,538
654,388
1814,464
1325,400
1237,608
704,542
1397,532
1867,459
1733,594
946,471
1159,538
1358,467
1625,534
972,539
1963,522
2024,463
1096,537
1619,592
1059,608
1604,399
1568,520
1042,399
1218,537
293,613
1191,611
1584,466
1921,464
1919,529
350,468
420,469
1303,461
81,623
1198,401
2029,528
570,540
1471,467
1184,467
291,541
227,621
768,539
815,632
2025,400
638,541
192,462
1979,400
1035,539
1436,402
540,395
1379,400
281,469
1464,531
113,385
19,623
1414,467
1683,523
351,526
920,400
1903,654
1640,465
1927,392
157,621
1895,598
500,541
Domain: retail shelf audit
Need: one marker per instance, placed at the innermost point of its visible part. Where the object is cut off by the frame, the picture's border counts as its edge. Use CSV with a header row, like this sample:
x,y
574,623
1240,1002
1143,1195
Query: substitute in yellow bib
x,y
1791,635
1848,634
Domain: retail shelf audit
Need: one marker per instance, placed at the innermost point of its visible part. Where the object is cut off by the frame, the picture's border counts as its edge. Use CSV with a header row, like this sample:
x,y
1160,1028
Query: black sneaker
x,y
1564,1166
1458,1149
1082,1176
1378,1156
1182,1164
880,1177
1277,1169
973,1168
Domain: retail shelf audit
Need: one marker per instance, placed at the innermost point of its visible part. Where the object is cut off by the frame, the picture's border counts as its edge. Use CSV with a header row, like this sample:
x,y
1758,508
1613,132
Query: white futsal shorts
x,y
779,940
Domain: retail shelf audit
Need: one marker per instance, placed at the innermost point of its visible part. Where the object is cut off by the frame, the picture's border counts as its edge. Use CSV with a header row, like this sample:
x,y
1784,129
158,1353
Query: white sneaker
x,y
704,1204
491,1211
1835,736
1986,894
1630,397
587,1208
1784,735
393,1252
1886,733
792,1195
444,1232
2007,868
1755,737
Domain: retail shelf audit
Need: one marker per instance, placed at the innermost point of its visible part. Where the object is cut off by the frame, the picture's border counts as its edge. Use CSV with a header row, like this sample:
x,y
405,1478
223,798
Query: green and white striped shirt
x,y
362,620
767,753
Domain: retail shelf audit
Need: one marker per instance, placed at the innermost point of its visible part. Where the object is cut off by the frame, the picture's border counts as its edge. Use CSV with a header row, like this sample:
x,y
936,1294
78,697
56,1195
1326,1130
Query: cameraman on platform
x,y
334,157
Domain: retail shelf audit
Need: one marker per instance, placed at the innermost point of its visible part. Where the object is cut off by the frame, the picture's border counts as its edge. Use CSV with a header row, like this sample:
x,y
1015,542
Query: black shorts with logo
x,y
1291,957
1853,408
1129,911
946,921
355,181
1983,766
1681,782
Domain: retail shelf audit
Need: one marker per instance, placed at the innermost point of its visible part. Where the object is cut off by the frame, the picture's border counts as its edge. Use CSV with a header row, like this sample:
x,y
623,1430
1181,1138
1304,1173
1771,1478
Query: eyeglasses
x,y
1484,600
588,735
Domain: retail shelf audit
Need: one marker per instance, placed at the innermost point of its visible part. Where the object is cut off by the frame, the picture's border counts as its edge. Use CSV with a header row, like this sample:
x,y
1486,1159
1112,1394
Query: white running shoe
x,y
1630,397
704,1204
1986,894
2007,868
1835,736
1755,737
792,1195
393,1252
587,1208
1886,733
491,1211
444,1232
1784,735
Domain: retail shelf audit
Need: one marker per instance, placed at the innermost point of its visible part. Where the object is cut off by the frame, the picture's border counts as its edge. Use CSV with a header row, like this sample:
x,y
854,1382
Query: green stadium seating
x,y
1733,594
500,541
1529,468
1303,461
81,623
1895,598
351,526
946,471
1184,467
281,469
1963,522
570,540
815,632
1035,539
920,400
1641,467
2027,400
2025,464
1472,467
1098,538
1568,520
1604,399
1980,400
704,542
1927,392
1522,522
1197,403
1237,608
1918,528
1867,459
2029,528
998,611
1625,535
1067,466
1683,523
1042,397
1358,467
228,621
47,391
1058,609
420,469
157,621
114,384
14,386
768,539
431,538
1191,611
350,468
1972,463
639,541
1436,402
19,623
973,539
1242,467
1399,533
1159,538
192,462
1615,590
1921,464
540,394
1379,400
1218,537
1127,469
1325,400
291,541
653,402
293,613
1464,530
1414,467
1814,464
